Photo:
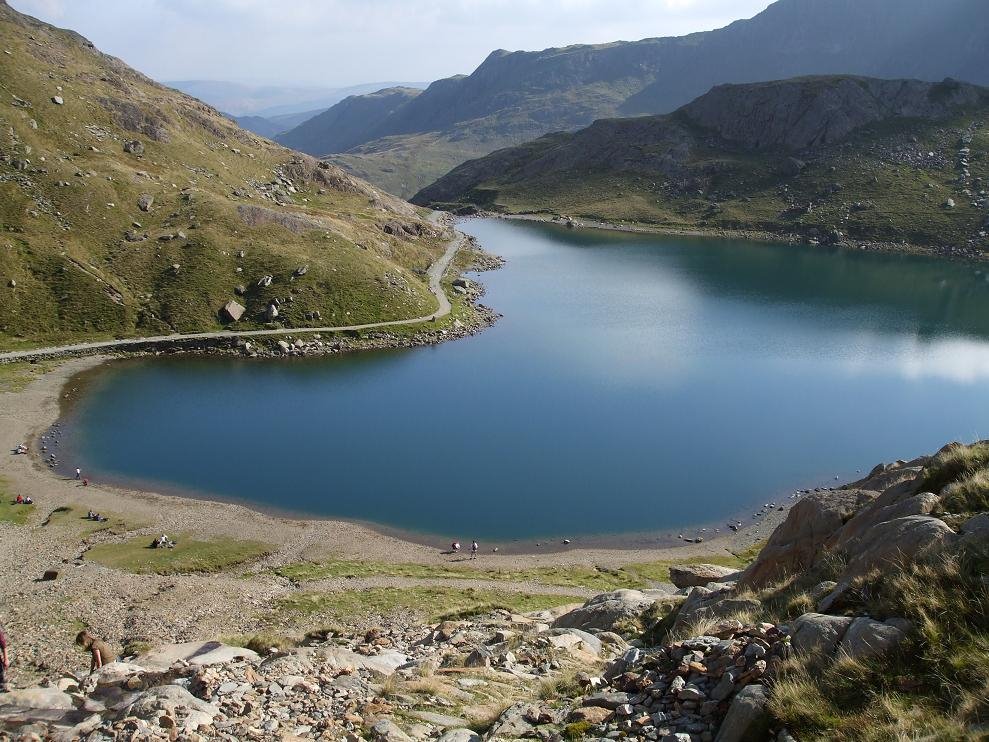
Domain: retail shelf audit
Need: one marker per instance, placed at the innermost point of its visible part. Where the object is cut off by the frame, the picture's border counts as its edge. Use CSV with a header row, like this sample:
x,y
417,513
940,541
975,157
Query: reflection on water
x,y
635,384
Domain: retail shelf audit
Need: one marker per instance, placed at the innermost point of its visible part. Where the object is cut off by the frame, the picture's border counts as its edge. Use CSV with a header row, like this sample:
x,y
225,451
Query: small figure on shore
x,y
78,473
4,661
85,482
163,542
99,651
473,550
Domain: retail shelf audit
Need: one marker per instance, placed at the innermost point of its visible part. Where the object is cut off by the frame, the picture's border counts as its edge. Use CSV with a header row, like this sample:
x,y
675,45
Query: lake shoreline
x,y
732,234
74,381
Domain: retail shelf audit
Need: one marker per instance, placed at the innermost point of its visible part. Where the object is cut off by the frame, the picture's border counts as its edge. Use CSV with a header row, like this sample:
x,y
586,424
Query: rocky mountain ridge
x,y
513,97
820,158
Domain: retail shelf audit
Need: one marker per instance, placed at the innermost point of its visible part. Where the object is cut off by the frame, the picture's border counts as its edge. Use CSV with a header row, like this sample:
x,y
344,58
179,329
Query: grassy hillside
x,y
514,97
127,208
888,177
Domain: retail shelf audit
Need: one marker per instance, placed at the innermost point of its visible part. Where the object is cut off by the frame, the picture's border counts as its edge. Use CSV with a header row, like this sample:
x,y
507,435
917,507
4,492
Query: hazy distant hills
x,y
270,110
514,97
828,158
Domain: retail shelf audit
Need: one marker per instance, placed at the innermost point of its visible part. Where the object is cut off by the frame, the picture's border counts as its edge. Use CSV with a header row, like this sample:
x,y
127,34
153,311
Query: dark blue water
x,y
636,384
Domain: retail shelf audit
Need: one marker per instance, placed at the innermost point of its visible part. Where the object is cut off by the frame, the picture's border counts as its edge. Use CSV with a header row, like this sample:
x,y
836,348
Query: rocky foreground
x,y
710,661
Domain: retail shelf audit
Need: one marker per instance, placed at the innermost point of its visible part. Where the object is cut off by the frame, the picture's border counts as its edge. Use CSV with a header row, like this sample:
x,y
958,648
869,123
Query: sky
x,y
336,43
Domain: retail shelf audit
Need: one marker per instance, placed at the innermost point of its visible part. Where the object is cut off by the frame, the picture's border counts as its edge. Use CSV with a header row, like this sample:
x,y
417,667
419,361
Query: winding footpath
x,y
435,274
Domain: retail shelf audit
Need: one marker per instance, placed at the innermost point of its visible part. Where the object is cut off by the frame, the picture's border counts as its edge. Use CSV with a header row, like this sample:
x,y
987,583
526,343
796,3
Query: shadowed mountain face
x,y
128,208
516,96
345,124
825,157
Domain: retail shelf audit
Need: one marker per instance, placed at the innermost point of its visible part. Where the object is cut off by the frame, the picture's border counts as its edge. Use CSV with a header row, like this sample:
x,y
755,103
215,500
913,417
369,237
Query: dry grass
x,y
935,687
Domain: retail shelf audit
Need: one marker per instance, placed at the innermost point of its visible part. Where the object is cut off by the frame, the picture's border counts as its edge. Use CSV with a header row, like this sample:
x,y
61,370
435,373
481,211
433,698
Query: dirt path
x,y
435,274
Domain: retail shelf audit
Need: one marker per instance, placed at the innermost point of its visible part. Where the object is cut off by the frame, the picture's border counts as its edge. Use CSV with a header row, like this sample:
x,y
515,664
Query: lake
x,y
637,386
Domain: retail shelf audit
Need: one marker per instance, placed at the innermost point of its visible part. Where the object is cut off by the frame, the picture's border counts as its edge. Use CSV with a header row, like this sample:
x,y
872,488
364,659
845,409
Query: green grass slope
x,y
828,159
79,257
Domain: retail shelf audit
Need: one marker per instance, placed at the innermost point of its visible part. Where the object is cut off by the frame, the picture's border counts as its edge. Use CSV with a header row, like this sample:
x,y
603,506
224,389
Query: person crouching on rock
x,y
100,652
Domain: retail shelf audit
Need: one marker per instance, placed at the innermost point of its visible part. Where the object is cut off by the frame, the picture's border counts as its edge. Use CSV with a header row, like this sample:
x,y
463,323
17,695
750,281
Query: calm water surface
x,y
635,385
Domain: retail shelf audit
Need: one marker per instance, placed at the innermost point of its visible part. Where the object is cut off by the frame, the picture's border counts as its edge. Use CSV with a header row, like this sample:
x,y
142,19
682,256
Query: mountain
x,y
822,157
514,97
345,124
272,126
128,208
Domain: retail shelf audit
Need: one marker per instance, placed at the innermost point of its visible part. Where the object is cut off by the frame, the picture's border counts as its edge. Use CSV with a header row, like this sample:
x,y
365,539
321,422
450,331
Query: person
x,y
19,500
4,660
455,546
100,653
473,550
29,500
85,482
78,472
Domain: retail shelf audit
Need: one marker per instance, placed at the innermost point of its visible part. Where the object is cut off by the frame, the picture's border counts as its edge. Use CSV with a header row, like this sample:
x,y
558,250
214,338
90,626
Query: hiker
x,y
78,473
455,547
473,550
85,482
19,500
98,649
29,500
4,661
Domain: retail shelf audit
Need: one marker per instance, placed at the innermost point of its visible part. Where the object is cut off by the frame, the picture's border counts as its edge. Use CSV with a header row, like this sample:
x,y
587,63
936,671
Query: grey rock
x,y
816,633
604,612
134,147
867,638
386,730
459,735
145,201
233,311
747,718
896,541
696,575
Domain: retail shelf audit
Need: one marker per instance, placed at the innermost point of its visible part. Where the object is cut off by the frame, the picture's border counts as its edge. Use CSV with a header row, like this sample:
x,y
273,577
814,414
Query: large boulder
x,y
604,612
704,602
189,712
194,653
233,311
747,719
818,634
35,698
698,575
895,542
383,664
797,541
867,638
899,501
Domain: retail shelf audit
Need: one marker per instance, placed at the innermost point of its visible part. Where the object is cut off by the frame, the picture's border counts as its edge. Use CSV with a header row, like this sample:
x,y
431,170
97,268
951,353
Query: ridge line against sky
x,y
337,43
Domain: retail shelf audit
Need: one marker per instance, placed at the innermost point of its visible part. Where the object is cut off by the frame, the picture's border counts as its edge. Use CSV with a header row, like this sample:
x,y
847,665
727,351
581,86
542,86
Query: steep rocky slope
x,y
824,158
127,208
517,96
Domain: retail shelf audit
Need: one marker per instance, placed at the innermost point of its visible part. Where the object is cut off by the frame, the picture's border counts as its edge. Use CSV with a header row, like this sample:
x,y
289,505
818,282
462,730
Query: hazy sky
x,y
346,42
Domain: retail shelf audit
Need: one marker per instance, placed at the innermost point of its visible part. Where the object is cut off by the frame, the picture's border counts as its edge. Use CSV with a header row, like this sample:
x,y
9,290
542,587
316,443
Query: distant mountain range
x,y
514,97
824,158
270,110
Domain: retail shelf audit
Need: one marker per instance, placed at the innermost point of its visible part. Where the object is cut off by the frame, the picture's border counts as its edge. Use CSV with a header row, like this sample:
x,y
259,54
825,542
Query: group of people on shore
x,y
96,517
21,500
455,548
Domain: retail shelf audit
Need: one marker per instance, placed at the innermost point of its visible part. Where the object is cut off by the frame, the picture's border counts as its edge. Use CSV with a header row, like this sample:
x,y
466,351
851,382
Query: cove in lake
x,y
636,384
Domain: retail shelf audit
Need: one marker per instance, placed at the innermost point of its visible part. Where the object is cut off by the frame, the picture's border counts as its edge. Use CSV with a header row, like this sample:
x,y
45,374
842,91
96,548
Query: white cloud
x,y
343,42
